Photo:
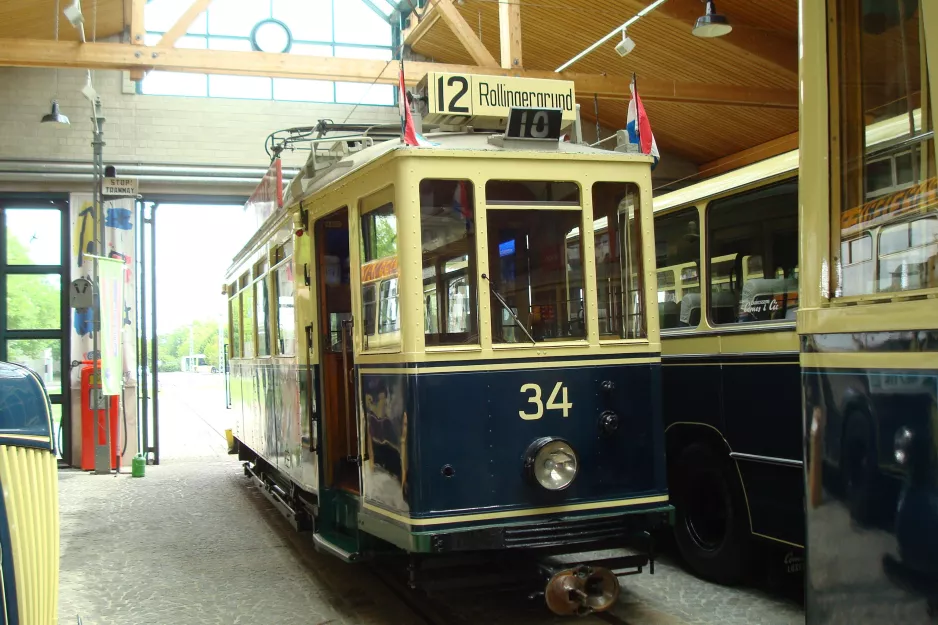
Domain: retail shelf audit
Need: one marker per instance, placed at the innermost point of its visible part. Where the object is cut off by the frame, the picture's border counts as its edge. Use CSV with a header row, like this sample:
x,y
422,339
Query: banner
x,y
111,297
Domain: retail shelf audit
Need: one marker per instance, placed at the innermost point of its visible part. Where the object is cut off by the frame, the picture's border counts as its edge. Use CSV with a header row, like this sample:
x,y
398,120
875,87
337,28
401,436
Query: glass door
x,y
33,307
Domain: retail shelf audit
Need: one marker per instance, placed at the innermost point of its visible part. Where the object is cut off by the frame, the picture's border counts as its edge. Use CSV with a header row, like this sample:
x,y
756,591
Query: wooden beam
x,y
120,56
177,30
419,25
138,31
469,40
751,155
509,27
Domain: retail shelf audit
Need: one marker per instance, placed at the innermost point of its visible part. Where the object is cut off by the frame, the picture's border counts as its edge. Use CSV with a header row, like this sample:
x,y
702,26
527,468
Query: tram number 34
x,y
552,404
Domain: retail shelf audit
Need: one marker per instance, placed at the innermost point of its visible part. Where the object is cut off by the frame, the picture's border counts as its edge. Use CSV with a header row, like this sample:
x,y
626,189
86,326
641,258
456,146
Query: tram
x,y
417,358
868,315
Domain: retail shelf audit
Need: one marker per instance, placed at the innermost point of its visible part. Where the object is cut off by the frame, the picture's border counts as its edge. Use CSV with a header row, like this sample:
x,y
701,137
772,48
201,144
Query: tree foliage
x,y
33,302
175,345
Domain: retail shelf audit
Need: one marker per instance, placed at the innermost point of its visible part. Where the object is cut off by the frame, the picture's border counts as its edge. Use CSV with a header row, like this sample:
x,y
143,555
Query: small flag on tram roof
x,y
409,135
638,126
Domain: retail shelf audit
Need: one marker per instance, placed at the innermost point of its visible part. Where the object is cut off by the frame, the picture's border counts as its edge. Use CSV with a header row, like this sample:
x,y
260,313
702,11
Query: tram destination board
x,y
486,101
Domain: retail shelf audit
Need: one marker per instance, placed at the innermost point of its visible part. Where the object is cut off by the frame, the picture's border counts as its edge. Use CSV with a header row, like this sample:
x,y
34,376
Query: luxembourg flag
x,y
638,126
409,135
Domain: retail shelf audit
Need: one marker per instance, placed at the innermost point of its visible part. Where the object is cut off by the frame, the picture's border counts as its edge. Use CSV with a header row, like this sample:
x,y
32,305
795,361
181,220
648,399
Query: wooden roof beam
x,y
419,25
134,15
751,155
469,40
509,26
122,56
177,30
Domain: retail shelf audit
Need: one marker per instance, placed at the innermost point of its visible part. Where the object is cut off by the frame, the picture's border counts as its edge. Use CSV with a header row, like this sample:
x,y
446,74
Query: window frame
x,y
738,326
282,261
386,342
699,212
494,305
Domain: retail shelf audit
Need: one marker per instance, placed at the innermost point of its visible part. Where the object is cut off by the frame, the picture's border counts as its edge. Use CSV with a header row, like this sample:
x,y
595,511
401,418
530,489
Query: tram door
x,y
340,447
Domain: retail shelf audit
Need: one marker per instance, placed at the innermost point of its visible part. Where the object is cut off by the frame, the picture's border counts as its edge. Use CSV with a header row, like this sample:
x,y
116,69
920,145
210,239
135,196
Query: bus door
x,y
339,443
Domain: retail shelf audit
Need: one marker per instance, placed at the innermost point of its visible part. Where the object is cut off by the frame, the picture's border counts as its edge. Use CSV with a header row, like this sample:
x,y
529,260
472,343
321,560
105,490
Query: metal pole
x,y
156,339
102,455
142,421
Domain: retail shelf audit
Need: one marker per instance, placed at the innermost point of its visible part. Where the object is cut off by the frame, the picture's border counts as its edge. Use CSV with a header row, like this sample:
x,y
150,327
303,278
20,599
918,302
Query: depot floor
x,y
194,543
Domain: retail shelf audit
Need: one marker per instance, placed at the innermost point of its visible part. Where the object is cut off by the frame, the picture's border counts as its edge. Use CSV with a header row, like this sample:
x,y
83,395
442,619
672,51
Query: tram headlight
x,y
552,463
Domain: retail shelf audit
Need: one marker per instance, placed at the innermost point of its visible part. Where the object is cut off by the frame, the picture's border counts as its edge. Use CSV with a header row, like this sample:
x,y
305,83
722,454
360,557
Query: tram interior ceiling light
x,y
626,45
711,23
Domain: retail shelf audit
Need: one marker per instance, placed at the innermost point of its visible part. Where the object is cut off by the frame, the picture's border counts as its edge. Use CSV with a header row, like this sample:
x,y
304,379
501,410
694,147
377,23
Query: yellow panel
x,y
30,495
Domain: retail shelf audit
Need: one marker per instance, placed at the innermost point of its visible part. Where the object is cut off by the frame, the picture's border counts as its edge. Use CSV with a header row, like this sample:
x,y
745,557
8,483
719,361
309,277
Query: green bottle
x,y
138,466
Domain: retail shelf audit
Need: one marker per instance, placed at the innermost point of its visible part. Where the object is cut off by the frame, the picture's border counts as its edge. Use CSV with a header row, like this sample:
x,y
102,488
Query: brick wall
x,y
149,129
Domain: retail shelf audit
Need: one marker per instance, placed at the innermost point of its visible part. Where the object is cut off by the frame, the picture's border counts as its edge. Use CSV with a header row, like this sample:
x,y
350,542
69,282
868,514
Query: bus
x,y
868,315
449,386
727,292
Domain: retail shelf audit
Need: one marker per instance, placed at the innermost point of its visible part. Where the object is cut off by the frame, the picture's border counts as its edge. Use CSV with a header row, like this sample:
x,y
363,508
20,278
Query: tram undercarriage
x,y
543,563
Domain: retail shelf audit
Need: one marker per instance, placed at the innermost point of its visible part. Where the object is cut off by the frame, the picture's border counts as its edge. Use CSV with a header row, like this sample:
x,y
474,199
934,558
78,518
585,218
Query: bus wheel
x,y
711,529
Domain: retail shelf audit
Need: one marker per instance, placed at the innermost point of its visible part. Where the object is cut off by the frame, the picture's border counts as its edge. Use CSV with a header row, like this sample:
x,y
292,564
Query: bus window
x,y
369,308
534,260
677,251
904,253
884,151
447,226
617,234
388,320
759,224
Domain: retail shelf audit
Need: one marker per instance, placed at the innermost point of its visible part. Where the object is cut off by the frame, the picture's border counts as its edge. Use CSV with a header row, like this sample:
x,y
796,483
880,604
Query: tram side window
x,y
753,243
677,257
447,225
247,316
263,329
380,302
886,151
535,261
286,321
234,314
617,233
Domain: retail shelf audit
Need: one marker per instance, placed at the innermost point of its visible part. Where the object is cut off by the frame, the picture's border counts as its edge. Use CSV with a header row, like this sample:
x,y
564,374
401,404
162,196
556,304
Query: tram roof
x,y
304,185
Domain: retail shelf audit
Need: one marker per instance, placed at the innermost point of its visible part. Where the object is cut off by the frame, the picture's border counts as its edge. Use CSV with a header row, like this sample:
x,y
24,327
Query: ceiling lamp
x,y
626,45
711,24
55,116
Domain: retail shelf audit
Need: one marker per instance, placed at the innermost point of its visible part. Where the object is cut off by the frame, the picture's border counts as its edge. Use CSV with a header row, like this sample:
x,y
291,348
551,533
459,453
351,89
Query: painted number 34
x,y
552,404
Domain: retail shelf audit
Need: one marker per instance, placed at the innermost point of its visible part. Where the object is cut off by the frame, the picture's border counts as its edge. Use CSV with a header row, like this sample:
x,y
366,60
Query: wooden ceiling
x,y
761,51
35,19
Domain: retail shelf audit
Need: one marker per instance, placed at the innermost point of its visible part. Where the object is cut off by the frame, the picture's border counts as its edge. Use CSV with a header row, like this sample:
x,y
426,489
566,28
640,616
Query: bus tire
x,y
711,526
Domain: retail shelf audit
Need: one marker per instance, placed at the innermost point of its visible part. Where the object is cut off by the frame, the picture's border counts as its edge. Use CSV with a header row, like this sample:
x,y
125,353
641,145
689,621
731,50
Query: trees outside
x,y
175,345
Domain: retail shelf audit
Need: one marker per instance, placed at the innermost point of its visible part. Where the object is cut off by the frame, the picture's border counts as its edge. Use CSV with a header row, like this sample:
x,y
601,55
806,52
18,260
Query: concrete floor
x,y
193,542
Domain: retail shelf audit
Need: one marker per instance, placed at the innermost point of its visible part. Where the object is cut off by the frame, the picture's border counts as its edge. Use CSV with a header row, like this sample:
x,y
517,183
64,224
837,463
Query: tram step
x,y
328,544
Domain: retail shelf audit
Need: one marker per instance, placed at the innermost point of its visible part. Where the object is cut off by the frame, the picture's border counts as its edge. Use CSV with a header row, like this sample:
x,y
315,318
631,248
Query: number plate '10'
x,y
538,408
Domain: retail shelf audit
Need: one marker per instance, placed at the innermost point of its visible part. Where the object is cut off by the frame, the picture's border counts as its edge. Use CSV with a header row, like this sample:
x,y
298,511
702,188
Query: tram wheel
x,y
711,528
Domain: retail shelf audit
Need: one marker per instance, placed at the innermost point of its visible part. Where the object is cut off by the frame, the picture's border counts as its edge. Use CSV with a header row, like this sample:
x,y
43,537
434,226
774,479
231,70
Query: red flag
x,y
644,126
408,134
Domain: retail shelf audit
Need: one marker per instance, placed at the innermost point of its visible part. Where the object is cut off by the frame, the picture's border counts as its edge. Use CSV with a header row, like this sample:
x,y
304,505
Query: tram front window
x,y
535,261
888,233
618,260
447,226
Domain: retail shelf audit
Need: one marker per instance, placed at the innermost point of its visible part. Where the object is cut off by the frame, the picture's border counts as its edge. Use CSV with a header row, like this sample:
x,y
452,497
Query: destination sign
x,y
485,101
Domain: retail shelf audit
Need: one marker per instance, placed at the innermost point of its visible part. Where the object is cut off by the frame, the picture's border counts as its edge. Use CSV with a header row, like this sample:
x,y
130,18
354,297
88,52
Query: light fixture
x,y
551,462
711,24
73,14
626,45
54,116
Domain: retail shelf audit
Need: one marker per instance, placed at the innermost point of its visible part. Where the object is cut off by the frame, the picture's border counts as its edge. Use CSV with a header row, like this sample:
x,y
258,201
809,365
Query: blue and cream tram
x,y
868,317
427,355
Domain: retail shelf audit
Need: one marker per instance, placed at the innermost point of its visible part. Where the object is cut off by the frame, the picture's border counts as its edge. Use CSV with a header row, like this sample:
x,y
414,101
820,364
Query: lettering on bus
x,y
919,198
